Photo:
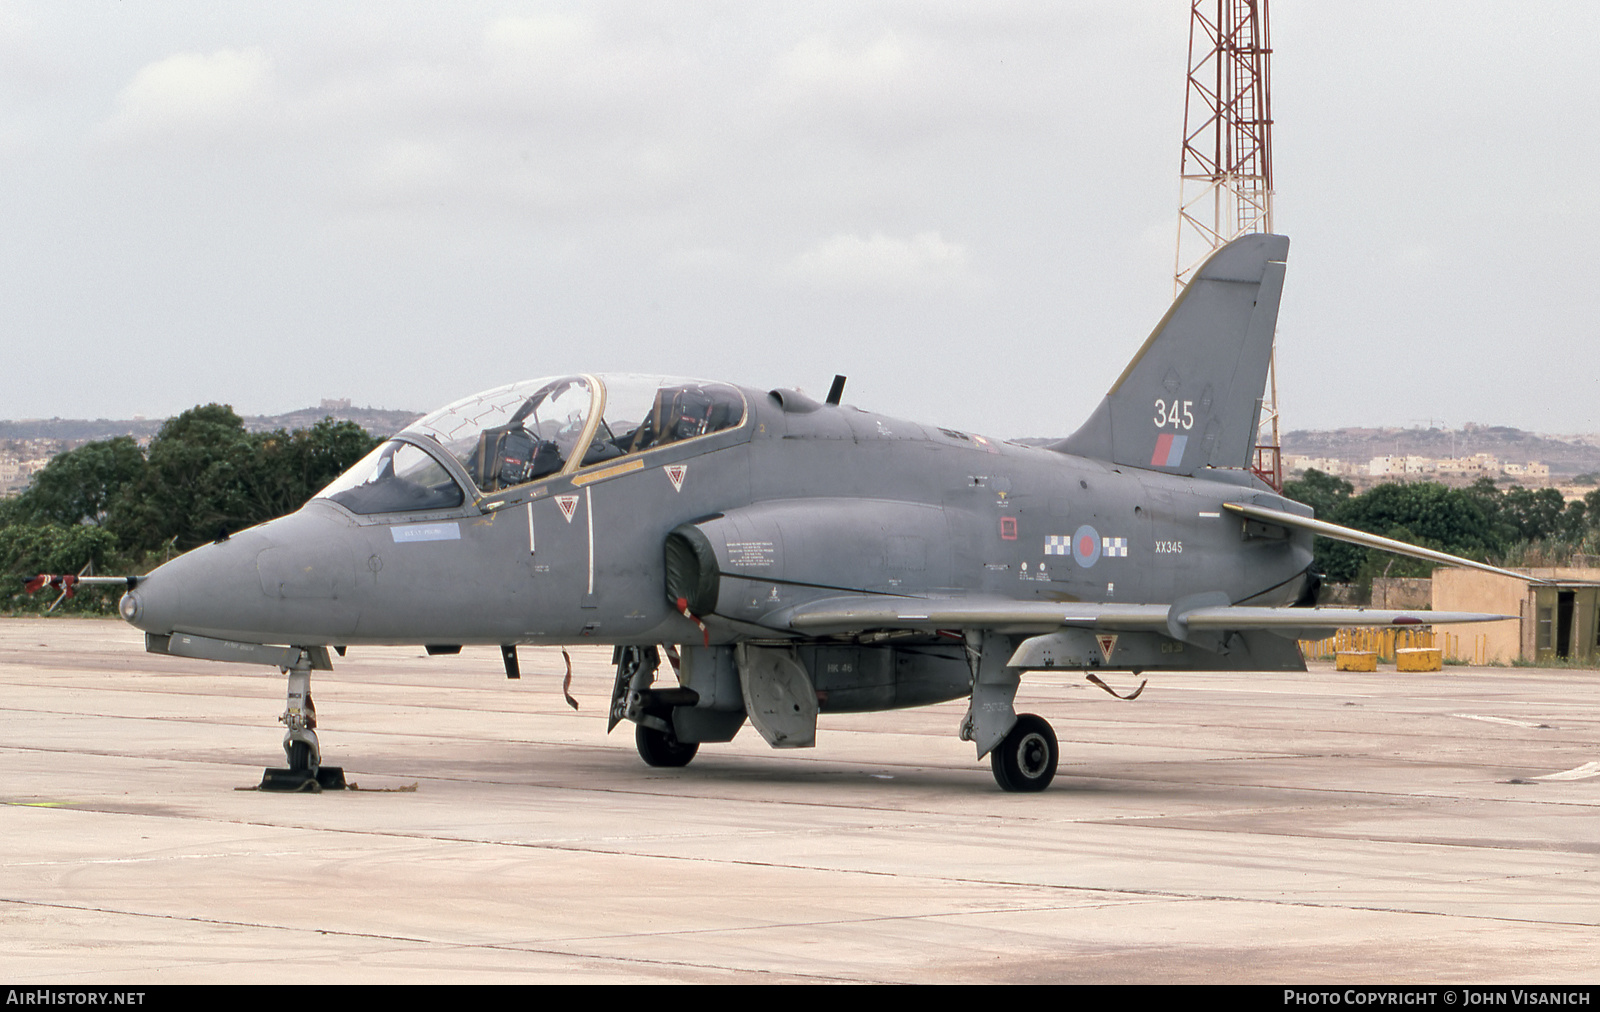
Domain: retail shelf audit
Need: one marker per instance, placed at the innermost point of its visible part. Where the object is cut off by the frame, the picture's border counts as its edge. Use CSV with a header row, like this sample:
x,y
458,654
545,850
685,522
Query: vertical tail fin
x,y
1191,397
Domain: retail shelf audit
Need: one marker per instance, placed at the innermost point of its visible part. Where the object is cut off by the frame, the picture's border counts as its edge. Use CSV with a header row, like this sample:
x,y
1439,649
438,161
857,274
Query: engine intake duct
x,y
692,571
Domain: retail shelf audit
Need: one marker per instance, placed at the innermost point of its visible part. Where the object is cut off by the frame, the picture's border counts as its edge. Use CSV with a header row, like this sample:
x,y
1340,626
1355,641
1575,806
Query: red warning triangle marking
x,y
1107,644
675,473
568,504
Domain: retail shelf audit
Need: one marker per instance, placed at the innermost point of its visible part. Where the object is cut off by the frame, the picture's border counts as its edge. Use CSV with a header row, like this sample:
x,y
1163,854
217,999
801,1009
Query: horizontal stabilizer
x,y
1352,536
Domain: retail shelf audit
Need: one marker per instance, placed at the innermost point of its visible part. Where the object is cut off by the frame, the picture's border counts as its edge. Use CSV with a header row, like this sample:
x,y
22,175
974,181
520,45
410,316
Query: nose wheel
x,y
1025,760
300,753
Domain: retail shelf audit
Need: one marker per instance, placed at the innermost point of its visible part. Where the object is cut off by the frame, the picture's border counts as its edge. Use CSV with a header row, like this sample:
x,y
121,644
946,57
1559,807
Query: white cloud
x,y
537,43
888,88
408,168
881,262
554,62
703,260
819,65
1416,257
193,91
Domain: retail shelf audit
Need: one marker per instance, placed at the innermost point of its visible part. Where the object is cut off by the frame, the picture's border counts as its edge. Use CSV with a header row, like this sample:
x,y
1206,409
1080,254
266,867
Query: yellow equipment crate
x,y
1419,659
1356,660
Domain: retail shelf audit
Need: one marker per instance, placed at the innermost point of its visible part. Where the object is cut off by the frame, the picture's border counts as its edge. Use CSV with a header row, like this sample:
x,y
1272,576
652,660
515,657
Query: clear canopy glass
x,y
523,432
396,477
516,433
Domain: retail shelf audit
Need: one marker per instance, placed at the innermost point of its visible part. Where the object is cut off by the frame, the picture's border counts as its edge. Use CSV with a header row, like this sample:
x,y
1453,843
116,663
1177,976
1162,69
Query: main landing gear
x,y
1021,748
1025,760
662,748
633,698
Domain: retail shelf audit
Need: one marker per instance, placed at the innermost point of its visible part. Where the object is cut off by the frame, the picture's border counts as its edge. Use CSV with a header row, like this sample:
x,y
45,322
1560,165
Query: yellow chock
x,y
1419,659
1356,660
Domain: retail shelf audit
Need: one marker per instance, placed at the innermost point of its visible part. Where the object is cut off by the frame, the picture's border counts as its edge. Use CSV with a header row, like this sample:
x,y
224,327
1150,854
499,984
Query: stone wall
x,y
1404,592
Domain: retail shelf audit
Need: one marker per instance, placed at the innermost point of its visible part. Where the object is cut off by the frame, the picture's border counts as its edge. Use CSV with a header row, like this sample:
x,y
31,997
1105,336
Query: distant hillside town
x,y
27,445
1449,456
1468,469
1440,454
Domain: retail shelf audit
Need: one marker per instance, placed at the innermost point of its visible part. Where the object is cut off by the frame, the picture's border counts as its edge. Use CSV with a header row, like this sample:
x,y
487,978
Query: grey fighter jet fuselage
x,y
803,502
792,556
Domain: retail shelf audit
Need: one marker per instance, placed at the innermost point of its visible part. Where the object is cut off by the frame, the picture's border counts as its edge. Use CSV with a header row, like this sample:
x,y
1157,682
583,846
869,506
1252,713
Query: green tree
x,y
192,483
206,475
113,505
1457,521
79,486
1575,520
1322,492
1492,501
1535,515
291,467
1326,494
1453,520
26,550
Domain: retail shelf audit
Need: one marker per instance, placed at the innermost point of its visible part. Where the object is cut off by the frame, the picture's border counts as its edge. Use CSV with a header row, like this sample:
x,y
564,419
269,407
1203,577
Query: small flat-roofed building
x,y
1556,620
1398,466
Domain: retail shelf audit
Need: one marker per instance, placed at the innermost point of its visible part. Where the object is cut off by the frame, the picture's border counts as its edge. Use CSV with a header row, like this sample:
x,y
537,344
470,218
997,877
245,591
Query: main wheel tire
x,y
299,755
1026,759
662,748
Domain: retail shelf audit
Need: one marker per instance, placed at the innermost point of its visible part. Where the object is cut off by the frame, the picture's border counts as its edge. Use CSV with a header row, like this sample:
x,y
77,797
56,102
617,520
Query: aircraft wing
x,y
865,613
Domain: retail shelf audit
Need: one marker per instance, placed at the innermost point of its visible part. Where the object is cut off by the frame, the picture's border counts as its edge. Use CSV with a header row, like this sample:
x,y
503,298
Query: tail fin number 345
x,y
1176,415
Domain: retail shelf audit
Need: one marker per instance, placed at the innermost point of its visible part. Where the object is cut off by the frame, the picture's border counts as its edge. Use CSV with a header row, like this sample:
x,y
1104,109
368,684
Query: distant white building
x,y
1327,465
1478,465
1399,467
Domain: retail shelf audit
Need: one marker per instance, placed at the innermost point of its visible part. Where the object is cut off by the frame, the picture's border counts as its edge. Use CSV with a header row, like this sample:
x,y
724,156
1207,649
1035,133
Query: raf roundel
x,y
1086,546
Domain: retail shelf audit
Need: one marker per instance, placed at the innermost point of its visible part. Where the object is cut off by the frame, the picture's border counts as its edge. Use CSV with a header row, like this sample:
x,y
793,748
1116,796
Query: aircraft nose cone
x,y
131,608
289,581
189,591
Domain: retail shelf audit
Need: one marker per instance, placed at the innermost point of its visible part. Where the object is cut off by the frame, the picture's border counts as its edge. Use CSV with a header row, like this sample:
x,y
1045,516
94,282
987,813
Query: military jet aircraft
x,y
791,557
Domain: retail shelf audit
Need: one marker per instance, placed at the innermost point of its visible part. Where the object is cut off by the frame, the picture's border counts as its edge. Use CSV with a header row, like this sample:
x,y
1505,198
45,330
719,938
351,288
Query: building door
x,y
1544,623
1564,603
1586,624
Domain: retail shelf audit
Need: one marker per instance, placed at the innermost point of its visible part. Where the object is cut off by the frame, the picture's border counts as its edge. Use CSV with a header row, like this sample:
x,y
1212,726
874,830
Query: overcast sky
x,y
969,208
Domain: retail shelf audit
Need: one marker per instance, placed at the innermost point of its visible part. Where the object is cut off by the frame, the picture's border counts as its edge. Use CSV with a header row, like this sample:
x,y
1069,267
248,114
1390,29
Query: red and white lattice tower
x,y
1225,187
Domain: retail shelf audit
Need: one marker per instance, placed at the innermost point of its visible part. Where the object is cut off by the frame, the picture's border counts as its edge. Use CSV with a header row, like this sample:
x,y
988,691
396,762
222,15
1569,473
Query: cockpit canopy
x,y
523,432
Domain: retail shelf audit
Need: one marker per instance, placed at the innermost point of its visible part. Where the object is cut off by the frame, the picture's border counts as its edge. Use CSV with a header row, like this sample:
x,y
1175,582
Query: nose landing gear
x,y
305,771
